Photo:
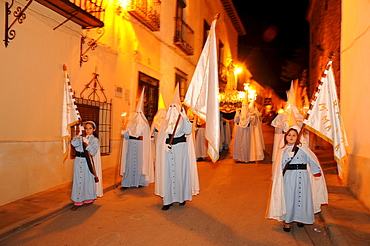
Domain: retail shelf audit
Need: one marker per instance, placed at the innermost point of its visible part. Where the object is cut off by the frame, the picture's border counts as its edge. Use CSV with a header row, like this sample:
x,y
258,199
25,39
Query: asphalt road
x,y
230,210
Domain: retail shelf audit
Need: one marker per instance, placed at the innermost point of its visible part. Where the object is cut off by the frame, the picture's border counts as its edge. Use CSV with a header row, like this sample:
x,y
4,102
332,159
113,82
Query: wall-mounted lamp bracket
x,y
92,44
19,15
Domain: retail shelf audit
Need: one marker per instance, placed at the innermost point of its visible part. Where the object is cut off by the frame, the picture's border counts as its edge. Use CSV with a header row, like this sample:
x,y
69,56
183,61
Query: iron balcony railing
x,y
146,12
93,7
184,36
86,13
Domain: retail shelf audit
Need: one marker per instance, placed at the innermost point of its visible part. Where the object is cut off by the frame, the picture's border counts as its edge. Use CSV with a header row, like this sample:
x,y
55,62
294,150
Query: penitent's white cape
x,y
277,206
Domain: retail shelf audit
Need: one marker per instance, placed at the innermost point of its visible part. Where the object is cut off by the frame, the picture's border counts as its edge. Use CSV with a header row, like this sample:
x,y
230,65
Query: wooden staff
x,y
174,130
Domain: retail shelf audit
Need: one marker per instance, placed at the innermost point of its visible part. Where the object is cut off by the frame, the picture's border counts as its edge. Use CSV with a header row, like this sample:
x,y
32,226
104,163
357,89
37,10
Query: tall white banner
x,y
202,93
70,114
325,121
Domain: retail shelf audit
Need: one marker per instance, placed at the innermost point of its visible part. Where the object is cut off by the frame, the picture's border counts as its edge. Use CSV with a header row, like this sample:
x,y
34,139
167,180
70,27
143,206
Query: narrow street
x,y
230,210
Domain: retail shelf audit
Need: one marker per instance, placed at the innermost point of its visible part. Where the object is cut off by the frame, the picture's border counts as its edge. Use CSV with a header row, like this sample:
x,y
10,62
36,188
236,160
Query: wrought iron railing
x,y
93,7
184,36
86,13
147,12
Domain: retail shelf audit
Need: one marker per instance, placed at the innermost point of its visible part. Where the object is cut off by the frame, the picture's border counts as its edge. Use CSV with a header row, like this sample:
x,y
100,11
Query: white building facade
x,y
145,43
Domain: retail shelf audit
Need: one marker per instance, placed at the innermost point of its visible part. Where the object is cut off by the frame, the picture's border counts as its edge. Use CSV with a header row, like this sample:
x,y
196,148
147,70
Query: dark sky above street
x,y
275,29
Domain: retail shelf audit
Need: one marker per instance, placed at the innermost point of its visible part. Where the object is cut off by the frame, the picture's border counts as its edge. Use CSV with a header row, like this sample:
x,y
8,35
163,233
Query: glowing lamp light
x,y
246,86
241,95
238,70
280,111
123,3
252,94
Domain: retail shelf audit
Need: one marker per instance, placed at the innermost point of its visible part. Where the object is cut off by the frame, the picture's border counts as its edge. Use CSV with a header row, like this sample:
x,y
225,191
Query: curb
x,y
335,233
39,218
32,221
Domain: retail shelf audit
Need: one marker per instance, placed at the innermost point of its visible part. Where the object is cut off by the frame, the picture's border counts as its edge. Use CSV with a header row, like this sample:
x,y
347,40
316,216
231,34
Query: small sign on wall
x,y
118,91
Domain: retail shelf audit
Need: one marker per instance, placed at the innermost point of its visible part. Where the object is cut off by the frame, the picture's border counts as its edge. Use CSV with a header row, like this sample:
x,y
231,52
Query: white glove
x,y
85,140
291,154
168,147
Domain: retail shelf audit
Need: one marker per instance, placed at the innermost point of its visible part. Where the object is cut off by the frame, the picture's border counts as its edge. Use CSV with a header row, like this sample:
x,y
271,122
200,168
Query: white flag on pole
x,y
325,121
70,114
202,93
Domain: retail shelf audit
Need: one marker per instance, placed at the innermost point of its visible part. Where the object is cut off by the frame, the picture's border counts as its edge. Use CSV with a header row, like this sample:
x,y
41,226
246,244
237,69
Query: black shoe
x,y
123,188
286,229
300,224
183,203
166,207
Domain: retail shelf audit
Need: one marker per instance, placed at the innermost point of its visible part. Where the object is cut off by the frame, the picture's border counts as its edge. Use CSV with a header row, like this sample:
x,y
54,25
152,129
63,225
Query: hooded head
x,y
173,111
136,126
295,117
244,114
160,115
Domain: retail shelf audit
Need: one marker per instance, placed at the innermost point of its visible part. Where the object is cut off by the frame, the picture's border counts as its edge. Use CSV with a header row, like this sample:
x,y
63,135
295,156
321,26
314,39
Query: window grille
x,y
184,35
101,114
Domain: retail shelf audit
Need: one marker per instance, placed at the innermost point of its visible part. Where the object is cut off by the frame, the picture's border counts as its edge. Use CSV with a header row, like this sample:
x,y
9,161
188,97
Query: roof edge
x,y
234,17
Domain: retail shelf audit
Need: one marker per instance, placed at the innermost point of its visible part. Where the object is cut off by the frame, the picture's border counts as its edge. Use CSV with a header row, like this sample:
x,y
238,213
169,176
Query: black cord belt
x,y
80,154
176,140
297,166
138,138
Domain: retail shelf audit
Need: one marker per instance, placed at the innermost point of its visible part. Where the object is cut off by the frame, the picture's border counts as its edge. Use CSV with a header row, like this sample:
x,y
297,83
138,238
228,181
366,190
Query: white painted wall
x,y
355,90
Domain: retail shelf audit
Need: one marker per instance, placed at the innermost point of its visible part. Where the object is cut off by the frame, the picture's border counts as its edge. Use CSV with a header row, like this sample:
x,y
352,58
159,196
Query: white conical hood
x,y
136,126
173,111
140,104
244,116
295,117
160,116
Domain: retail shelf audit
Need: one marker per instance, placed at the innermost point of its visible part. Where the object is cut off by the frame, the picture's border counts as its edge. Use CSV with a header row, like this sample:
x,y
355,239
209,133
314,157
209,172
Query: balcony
x,y
184,37
86,13
146,12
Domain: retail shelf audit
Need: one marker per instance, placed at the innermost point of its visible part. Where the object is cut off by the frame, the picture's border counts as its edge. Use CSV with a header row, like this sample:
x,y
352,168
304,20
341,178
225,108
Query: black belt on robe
x,y
138,138
297,166
80,154
176,140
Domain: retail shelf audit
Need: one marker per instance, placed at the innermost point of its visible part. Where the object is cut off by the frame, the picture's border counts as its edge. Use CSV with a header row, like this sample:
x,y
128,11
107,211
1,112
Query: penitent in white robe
x,y
256,142
83,186
176,170
298,195
241,140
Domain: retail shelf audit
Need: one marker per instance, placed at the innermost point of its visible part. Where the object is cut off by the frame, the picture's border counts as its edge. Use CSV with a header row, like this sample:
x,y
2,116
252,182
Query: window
x,y
150,95
221,66
222,69
184,35
100,113
182,80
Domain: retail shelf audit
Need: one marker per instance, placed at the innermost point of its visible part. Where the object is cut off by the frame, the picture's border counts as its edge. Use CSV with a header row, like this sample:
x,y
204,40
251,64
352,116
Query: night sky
x,y
275,29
